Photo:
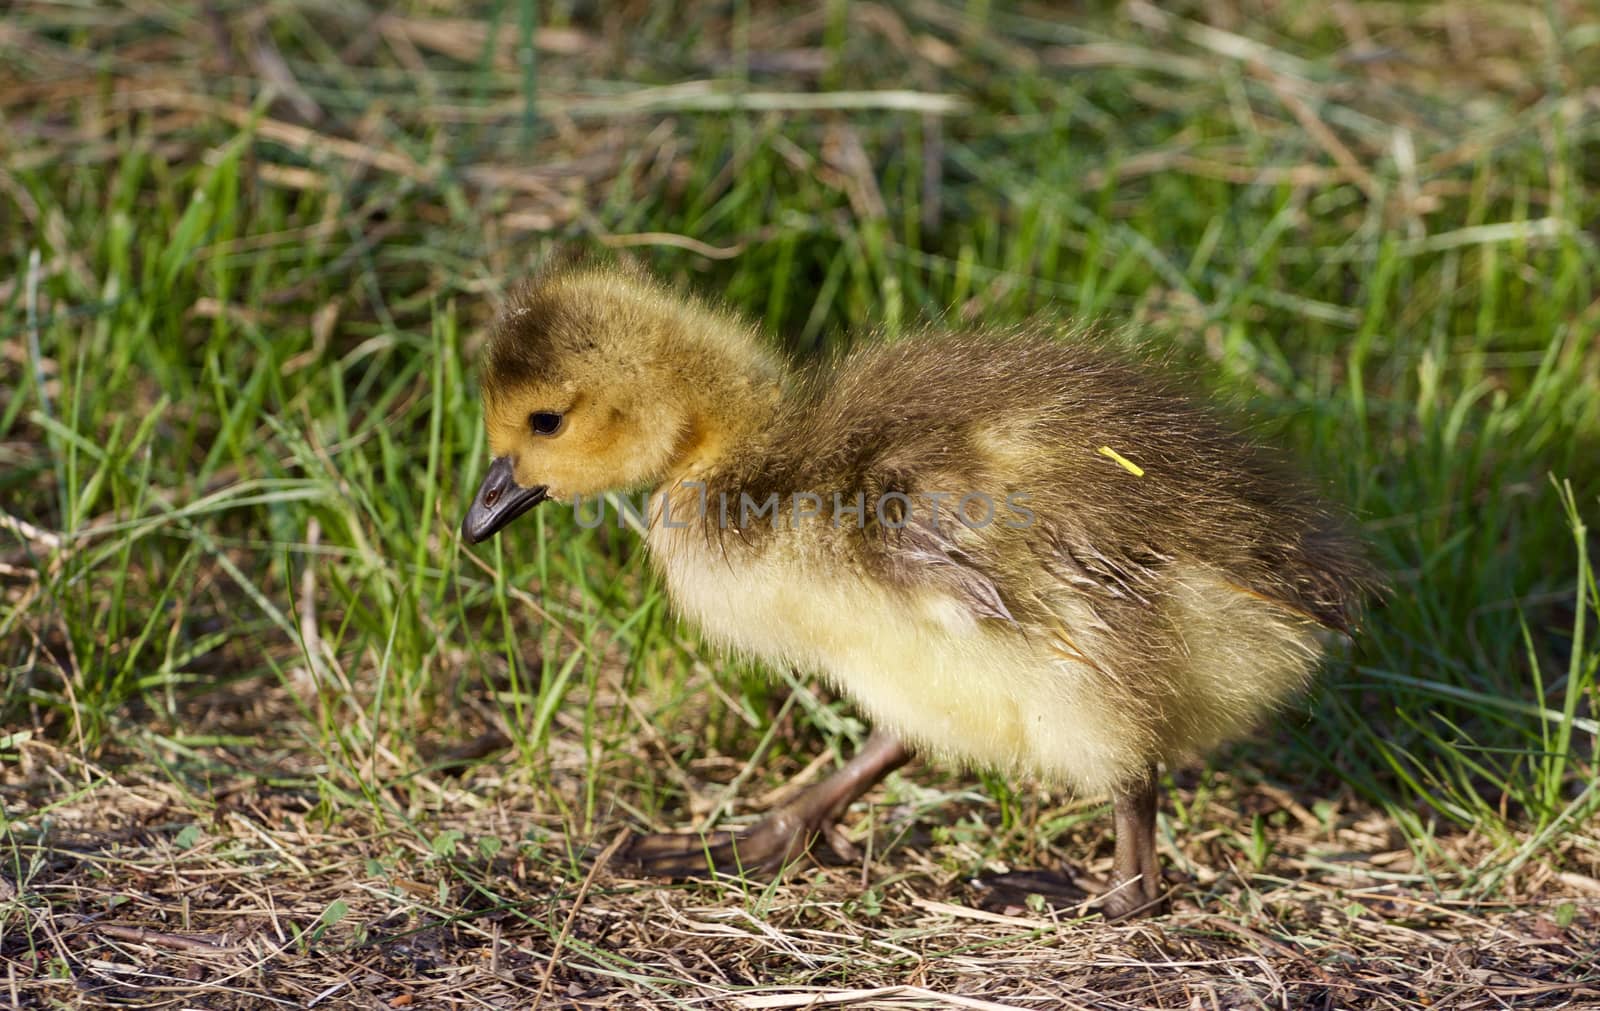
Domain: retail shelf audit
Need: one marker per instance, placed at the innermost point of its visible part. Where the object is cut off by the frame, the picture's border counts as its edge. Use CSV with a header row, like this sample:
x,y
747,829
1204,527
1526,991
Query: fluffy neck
x,y
738,388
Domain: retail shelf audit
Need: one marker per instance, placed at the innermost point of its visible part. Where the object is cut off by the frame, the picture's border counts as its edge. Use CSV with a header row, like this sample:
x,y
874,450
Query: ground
x,y
140,894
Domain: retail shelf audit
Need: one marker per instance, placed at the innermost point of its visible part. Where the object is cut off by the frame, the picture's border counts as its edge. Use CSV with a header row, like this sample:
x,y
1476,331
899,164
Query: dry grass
x,y
129,890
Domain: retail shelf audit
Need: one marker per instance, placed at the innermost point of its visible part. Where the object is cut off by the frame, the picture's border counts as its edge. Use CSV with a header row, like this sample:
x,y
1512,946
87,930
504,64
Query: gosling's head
x,y
598,380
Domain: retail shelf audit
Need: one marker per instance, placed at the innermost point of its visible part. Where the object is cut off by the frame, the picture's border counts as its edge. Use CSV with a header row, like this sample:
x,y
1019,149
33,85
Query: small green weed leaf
x,y
445,842
871,903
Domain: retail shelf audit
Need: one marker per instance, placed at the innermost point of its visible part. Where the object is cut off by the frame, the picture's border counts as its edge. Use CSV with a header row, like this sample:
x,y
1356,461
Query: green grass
x,y
239,380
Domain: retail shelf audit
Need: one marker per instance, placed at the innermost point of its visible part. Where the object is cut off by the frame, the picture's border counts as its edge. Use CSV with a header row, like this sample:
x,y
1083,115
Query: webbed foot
x,y
780,837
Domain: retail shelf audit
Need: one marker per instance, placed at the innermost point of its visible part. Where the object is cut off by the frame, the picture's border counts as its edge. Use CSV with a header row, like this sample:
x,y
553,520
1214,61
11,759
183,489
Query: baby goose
x,y
1010,550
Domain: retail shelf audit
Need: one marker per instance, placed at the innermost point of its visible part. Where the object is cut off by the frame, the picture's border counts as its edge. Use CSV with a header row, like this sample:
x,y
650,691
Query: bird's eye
x,y
545,422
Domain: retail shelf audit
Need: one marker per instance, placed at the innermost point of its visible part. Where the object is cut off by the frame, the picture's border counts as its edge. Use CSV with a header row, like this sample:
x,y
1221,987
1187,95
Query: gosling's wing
x,y
1002,572
928,554
1086,600
1101,567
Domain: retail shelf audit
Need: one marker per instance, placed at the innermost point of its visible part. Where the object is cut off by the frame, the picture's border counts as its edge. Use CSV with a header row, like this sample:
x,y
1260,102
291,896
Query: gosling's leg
x,y
783,834
1135,888
1135,869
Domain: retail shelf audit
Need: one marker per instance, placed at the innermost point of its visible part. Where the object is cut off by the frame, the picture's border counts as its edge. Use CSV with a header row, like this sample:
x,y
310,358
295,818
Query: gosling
x,y
1012,550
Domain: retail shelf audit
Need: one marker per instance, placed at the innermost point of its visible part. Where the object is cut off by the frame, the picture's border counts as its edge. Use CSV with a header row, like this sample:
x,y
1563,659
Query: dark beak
x,y
499,501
